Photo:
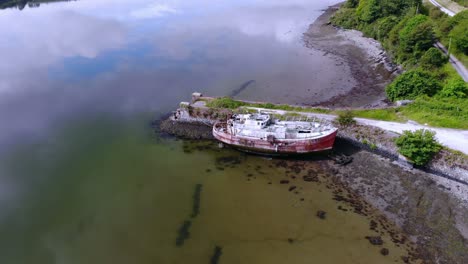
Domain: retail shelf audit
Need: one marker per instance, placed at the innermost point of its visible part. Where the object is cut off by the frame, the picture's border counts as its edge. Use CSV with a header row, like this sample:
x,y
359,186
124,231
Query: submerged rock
x,y
321,214
384,251
309,178
375,240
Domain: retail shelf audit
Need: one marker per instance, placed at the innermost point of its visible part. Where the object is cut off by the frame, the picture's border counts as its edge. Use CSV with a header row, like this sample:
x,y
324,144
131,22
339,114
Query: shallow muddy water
x,y
84,178
107,192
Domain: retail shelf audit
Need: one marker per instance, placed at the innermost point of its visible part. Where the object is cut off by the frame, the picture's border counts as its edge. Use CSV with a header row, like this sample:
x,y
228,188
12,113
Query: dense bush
x,y
368,10
351,3
385,25
416,37
346,18
419,146
433,58
459,35
346,118
412,84
456,87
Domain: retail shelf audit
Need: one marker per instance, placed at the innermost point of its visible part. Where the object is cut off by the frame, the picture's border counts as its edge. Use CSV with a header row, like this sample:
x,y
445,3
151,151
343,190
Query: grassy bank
x,y
445,112
229,103
408,31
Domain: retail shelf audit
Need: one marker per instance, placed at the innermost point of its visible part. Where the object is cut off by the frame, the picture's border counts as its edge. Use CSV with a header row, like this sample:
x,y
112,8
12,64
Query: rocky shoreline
x,y
366,58
431,210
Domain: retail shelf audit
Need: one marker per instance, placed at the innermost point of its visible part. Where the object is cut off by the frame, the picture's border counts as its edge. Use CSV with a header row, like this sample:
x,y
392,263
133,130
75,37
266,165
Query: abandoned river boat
x,y
259,133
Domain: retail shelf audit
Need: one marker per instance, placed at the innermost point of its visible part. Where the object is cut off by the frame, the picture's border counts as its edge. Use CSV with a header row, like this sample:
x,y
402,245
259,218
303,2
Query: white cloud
x,y
153,10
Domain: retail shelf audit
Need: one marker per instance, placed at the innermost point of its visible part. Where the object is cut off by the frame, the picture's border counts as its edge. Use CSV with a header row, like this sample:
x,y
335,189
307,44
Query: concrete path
x,y
453,138
456,139
461,69
443,9
457,65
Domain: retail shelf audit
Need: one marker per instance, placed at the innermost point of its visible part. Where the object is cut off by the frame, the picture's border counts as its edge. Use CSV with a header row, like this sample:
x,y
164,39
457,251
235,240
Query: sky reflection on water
x,y
121,56
98,191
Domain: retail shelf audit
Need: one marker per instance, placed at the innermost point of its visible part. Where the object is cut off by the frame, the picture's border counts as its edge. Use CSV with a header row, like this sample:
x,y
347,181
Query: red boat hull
x,y
279,147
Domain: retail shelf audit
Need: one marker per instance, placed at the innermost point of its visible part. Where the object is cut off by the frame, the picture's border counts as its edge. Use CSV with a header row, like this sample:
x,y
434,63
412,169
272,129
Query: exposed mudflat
x,y
367,60
423,205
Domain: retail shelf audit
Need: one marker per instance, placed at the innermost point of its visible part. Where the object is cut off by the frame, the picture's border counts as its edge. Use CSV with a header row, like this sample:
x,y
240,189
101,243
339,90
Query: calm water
x,y
84,179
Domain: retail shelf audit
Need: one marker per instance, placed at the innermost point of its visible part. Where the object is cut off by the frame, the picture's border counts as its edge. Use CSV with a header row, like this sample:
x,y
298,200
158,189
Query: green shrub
x,y
412,84
385,25
414,39
346,118
225,102
419,146
368,10
456,87
459,34
433,58
345,17
351,3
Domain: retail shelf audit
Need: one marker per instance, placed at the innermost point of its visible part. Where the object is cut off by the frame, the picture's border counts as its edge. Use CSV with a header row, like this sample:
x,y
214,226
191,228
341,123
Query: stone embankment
x,y
195,120
431,210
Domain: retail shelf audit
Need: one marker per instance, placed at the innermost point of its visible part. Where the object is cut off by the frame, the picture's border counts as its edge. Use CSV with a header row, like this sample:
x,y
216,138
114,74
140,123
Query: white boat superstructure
x,y
262,126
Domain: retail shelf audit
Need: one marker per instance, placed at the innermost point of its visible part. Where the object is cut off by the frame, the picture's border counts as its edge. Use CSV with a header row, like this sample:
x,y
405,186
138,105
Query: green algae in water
x,y
196,200
218,251
184,233
133,193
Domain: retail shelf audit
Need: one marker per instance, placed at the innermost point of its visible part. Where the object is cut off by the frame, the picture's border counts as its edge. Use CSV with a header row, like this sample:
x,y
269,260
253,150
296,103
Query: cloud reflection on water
x,y
203,45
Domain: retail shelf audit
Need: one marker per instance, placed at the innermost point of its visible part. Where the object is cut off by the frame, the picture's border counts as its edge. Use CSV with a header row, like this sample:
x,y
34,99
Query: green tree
x,y
417,35
459,35
455,87
419,146
368,10
385,25
433,58
412,84
352,3
345,17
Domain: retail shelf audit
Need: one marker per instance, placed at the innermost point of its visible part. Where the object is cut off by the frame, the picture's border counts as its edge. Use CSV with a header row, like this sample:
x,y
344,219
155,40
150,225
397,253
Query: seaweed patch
x,y
218,251
196,200
184,233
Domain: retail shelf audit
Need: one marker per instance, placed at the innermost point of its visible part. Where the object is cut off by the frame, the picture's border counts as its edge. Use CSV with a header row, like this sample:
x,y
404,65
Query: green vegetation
x,y
227,102
438,112
412,84
456,88
462,2
452,32
408,31
419,146
346,118
435,111
433,59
